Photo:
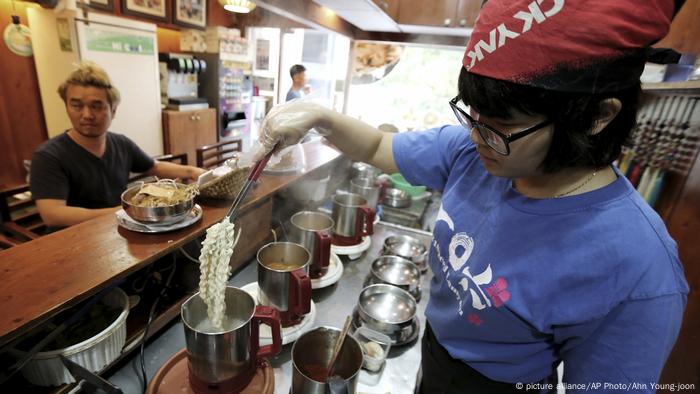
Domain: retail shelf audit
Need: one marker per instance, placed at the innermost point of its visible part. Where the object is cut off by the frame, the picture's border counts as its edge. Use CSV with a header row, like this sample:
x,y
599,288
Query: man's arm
x,y
165,169
55,213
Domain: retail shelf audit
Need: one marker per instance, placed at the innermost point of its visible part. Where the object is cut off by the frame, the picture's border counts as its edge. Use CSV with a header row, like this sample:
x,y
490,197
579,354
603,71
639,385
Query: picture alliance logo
x,y
595,386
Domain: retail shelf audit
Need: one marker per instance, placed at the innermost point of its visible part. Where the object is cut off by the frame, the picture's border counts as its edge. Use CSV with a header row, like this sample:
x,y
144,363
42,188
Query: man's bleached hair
x,y
90,74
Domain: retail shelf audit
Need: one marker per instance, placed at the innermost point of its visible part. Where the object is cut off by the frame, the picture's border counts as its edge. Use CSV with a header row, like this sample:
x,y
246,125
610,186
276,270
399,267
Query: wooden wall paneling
x,y
23,127
218,16
684,225
467,11
168,40
684,35
309,13
418,12
390,7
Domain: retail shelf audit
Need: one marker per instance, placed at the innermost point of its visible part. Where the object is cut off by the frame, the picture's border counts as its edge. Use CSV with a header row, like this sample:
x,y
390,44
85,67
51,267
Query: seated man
x,y
81,173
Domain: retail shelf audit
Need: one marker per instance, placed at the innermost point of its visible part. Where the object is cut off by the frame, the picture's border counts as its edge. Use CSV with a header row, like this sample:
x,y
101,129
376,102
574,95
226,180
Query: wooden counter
x,y
42,277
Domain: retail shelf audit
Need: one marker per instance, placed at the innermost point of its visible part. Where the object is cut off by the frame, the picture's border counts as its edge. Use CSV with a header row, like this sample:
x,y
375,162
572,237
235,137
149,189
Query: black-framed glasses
x,y
497,140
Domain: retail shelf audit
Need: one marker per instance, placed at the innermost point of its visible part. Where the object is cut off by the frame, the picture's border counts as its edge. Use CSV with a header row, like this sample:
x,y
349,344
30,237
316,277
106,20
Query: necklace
x,y
577,187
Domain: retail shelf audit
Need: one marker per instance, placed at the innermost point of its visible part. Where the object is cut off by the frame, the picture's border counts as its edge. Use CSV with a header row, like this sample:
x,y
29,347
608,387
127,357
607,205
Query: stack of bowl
x,y
395,271
407,247
388,310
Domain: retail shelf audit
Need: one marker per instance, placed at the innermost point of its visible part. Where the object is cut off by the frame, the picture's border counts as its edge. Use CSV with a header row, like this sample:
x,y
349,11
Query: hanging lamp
x,y
240,6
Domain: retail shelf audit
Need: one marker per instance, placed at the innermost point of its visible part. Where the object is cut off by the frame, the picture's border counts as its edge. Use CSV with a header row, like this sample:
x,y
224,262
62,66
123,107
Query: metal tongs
x,y
254,175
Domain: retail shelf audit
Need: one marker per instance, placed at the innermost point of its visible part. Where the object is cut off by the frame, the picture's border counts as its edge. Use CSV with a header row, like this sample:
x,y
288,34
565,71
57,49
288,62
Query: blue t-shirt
x,y
521,284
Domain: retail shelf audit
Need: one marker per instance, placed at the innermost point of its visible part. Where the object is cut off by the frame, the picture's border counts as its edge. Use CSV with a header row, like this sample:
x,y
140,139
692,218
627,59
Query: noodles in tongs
x,y
216,252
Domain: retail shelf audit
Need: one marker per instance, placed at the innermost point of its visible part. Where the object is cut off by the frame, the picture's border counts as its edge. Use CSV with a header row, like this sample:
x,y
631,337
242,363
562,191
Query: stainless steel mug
x,y
368,188
311,354
364,170
283,280
229,355
313,231
353,219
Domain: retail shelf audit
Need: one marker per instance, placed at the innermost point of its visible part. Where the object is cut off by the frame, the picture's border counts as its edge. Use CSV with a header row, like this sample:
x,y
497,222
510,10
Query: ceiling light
x,y
240,6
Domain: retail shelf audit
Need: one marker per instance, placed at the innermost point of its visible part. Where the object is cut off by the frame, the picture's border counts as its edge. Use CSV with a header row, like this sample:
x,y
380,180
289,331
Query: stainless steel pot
x,y
386,308
367,188
155,215
396,198
352,217
396,271
283,280
407,247
364,170
216,355
311,354
312,230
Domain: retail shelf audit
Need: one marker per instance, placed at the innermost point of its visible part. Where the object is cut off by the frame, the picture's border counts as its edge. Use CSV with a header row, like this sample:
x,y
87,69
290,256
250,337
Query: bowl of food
x,y
163,202
386,308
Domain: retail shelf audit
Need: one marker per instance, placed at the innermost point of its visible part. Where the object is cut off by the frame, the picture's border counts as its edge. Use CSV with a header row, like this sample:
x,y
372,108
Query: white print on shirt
x,y
498,35
471,285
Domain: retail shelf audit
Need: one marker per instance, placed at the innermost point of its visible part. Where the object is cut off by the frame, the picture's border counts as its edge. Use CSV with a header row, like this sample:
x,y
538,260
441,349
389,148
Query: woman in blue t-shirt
x,y
542,252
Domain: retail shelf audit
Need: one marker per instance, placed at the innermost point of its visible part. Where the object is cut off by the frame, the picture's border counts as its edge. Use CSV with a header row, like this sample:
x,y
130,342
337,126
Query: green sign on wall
x,y
118,42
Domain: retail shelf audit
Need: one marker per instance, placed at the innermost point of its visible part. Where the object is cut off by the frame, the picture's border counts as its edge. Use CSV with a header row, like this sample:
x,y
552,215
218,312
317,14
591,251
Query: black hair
x,y
296,69
573,116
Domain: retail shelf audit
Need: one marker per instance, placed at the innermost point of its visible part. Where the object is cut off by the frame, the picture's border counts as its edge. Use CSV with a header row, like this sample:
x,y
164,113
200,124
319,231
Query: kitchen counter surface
x,y
333,304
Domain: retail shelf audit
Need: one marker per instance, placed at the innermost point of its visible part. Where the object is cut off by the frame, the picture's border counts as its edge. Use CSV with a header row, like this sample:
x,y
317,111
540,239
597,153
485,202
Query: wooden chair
x,y
180,158
210,156
19,218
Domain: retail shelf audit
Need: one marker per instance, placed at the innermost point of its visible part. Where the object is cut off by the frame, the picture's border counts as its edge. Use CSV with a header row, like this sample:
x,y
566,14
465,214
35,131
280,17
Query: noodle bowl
x,y
169,202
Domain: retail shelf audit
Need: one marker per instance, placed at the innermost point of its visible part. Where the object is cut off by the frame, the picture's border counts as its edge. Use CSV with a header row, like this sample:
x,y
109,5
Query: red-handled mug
x,y
226,355
312,230
322,254
353,219
283,280
271,317
299,298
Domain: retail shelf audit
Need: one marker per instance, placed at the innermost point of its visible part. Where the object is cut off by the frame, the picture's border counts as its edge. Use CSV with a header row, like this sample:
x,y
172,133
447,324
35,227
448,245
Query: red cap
x,y
567,45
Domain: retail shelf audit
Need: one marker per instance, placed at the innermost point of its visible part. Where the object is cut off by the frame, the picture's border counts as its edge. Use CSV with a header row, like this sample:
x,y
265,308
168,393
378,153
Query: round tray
x,y
353,251
289,334
172,377
407,335
332,276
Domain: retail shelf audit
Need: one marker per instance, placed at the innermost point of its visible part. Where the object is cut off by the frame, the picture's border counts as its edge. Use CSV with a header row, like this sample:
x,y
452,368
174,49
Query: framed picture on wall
x,y
151,9
104,5
190,13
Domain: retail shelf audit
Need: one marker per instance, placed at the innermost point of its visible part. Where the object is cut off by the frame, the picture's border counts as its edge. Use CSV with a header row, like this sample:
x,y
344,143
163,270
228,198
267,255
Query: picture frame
x,y
158,10
102,5
190,13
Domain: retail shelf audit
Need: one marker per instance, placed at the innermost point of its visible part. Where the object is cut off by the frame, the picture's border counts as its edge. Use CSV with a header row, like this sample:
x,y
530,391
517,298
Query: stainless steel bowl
x,y
407,247
386,308
396,271
396,198
155,215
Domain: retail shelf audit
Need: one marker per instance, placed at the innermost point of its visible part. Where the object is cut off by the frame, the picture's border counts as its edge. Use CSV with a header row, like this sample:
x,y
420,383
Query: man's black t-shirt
x,y
63,170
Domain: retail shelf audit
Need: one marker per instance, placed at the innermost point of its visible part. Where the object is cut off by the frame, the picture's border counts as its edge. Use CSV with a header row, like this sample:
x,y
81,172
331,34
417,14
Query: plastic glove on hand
x,y
288,123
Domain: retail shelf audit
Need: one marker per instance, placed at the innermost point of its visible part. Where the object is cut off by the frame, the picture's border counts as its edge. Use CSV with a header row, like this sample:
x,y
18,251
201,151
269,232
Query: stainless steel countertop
x,y
333,304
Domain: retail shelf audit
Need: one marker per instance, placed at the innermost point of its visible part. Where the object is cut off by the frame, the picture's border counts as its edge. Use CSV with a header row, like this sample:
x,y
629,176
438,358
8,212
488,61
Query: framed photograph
x,y
190,13
151,9
104,5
